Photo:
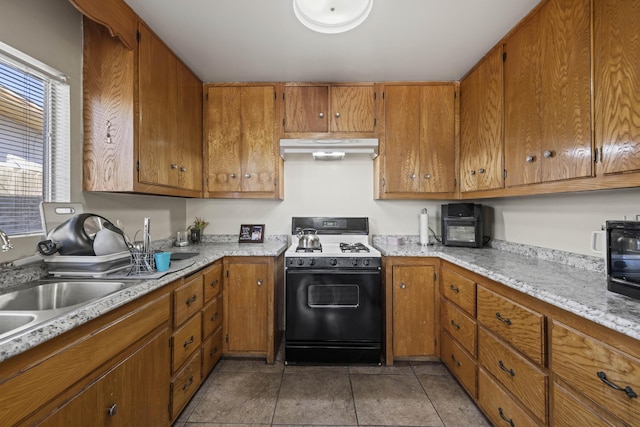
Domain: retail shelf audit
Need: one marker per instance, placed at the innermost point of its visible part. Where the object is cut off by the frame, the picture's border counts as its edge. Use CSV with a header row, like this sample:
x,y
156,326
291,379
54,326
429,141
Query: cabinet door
x,y
351,109
414,317
246,307
306,108
481,112
135,390
157,99
437,139
617,84
402,139
189,129
258,147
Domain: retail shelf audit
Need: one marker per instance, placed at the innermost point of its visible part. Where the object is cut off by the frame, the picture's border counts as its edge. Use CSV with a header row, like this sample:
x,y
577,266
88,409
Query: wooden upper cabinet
x,y
189,126
481,118
547,95
419,154
617,85
328,109
242,149
116,15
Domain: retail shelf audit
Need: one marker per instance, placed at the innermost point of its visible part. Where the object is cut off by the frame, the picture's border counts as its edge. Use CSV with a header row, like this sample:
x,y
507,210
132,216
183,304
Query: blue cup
x,y
163,259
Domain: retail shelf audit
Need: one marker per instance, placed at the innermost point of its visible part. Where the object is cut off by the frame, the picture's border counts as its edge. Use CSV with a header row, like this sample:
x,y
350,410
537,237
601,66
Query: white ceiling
x,y
261,40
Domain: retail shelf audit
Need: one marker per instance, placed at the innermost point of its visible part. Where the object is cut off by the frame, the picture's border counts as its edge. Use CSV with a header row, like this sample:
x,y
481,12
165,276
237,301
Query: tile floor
x,y
246,392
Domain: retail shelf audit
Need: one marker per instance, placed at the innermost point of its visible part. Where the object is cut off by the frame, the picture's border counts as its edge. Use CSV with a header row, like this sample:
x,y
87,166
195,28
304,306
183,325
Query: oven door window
x,y
333,296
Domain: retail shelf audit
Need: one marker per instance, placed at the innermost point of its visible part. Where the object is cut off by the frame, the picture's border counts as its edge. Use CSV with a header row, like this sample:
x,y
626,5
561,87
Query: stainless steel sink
x,y
40,301
178,256
51,296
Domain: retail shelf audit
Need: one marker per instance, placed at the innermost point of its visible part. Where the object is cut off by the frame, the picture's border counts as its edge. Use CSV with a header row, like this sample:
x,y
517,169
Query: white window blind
x,y
34,140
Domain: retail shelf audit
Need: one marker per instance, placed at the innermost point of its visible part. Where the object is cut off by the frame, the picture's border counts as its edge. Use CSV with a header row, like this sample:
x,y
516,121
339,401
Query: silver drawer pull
x,y
455,325
113,410
454,289
192,299
184,387
628,390
456,361
214,317
187,343
503,320
403,286
509,420
504,368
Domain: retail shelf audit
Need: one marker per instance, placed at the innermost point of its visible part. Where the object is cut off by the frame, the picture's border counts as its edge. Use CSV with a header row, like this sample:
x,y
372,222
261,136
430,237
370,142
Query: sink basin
x,y
55,295
9,322
178,256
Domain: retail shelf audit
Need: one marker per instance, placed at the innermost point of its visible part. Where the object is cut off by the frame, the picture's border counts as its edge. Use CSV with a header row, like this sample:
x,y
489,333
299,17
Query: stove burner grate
x,y
353,247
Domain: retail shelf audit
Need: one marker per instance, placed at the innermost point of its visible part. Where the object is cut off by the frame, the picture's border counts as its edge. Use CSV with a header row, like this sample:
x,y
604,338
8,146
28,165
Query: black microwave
x,y
462,225
623,257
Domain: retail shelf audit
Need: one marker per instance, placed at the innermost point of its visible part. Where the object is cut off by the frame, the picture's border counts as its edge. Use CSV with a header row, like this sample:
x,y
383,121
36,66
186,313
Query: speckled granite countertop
x,y
577,290
209,252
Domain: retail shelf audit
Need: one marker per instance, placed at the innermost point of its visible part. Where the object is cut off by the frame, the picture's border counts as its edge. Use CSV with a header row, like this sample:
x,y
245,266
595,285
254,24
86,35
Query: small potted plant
x,y
196,229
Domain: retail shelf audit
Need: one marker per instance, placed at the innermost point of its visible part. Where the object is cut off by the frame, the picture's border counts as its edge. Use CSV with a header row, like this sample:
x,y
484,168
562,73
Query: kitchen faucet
x,y
6,242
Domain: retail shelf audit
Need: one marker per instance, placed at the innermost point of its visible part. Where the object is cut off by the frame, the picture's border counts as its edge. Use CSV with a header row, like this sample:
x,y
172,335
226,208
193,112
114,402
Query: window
x,y
34,140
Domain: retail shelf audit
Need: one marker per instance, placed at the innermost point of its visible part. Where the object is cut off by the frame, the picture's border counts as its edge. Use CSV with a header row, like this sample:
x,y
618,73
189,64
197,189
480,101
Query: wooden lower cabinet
x,y
185,383
459,362
126,395
569,411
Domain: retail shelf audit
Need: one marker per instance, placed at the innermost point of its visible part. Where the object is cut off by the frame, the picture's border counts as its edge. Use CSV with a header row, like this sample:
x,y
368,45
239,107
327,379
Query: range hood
x,y
330,149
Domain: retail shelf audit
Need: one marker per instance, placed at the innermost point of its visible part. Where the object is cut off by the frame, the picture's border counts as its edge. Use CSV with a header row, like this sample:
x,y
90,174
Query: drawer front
x,y
187,300
211,352
521,327
185,384
212,317
459,325
499,406
185,341
581,361
521,377
212,281
459,290
459,362
569,412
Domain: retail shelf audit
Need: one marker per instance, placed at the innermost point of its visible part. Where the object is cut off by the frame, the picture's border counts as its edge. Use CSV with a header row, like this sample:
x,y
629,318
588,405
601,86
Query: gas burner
x,y
308,250
353,247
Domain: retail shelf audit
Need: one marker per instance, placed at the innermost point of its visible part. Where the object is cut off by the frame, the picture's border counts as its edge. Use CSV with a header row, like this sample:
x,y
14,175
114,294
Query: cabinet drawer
x,y
212,281
569,412
459,290
499,406
187,300
581,361
459,362
185,341
459,325
185,384
211,352
521,327
515,373
211,317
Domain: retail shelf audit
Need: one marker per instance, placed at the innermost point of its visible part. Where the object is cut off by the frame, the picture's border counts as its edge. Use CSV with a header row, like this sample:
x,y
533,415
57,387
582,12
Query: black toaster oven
x,y
623,257
462,225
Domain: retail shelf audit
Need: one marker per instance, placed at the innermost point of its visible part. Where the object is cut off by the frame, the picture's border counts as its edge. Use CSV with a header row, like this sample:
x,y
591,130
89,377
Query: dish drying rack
x,y
142,261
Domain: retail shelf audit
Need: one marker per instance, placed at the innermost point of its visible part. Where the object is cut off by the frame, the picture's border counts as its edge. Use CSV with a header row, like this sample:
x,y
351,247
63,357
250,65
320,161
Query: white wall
x,y
345,188
51,32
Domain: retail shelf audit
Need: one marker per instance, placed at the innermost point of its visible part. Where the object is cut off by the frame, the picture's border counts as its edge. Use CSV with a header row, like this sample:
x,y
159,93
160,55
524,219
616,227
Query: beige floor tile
x,y
238,397
392,400
395,369
316,369
315,399
453,404
430,368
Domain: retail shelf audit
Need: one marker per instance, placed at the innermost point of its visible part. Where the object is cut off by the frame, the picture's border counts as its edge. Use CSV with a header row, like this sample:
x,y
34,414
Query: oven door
x,y
333,306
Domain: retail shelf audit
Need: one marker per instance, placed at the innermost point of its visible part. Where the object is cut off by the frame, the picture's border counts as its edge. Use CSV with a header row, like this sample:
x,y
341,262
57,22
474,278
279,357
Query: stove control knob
x,y
354,262
366,262
312,261
300,261
333,261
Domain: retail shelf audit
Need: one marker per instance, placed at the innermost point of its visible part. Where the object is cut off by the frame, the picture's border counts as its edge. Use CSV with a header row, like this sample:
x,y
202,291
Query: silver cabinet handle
x,y
113,410
233,175
529,159
472,172
247,175
337,115
174,166
547,154
403,286
260,282
183,169
481,170
321,115
412,176
427,176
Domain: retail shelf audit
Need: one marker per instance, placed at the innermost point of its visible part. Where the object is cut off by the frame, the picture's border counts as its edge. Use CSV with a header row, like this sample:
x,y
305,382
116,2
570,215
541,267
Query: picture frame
x,y
251,233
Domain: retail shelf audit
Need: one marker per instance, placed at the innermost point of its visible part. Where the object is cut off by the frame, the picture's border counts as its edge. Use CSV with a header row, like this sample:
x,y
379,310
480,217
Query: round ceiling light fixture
x,y
332,16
